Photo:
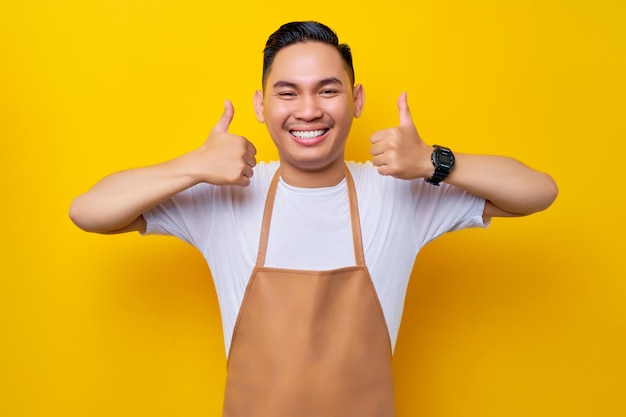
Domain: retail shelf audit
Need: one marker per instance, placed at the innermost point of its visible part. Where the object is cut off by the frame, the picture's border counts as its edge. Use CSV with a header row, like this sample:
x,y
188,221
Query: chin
x,y
313,164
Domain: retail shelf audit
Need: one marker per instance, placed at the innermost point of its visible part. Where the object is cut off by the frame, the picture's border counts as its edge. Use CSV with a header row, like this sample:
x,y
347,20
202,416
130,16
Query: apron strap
x,y
267,218
357,240
359,256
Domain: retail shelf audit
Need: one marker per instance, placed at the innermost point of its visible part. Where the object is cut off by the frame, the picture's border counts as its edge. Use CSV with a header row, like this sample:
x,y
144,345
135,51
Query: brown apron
x,y
310,343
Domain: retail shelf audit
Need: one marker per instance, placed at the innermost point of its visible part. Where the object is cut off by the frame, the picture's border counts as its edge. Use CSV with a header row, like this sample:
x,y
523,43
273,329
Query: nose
x,y
308,108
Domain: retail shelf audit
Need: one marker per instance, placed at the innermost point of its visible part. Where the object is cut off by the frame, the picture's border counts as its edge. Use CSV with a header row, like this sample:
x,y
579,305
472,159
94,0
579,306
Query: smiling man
x,y
311,255
308,104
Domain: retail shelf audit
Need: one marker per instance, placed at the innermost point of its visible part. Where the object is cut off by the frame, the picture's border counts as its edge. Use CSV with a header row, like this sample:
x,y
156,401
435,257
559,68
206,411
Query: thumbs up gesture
x,y
225,158
400,151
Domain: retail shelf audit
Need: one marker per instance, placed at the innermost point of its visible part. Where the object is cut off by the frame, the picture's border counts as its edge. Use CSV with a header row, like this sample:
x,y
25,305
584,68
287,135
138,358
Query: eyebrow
x,y
319,84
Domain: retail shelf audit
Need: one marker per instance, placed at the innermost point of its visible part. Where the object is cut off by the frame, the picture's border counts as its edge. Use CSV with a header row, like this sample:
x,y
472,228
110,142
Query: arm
x,y
115,204
510,187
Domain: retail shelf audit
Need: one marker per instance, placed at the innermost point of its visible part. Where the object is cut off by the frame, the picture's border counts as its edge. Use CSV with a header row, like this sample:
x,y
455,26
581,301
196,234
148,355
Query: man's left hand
x,y
400,151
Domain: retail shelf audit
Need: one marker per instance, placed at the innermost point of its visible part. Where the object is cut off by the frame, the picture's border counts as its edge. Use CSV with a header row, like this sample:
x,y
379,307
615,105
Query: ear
x,y
359,99
258,106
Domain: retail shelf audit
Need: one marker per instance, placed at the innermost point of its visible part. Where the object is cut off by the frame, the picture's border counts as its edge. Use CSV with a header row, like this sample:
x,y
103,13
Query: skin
x,y
509,187
307,90
115,203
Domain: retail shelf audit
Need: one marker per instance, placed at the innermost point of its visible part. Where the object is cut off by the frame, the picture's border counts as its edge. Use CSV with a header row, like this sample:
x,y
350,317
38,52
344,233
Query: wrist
x,y
442,160
427,168
193,166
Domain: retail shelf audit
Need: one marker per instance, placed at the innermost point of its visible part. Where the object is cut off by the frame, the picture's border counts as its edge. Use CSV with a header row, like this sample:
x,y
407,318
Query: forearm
x,y
119,199
510,187
505,182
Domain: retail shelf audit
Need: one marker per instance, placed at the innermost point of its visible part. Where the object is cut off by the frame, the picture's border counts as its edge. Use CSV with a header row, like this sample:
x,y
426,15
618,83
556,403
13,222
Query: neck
x,y
314,178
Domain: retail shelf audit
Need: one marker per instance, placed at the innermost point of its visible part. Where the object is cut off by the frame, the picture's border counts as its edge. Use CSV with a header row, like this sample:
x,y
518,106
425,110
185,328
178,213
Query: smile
x,y
309,137
308,134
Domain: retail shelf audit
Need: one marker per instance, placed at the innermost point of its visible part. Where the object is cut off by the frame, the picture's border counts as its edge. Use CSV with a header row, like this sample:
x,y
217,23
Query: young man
x,y
311,255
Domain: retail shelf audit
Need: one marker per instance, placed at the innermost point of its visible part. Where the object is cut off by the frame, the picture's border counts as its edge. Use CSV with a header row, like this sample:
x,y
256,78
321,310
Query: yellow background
x,y
527,318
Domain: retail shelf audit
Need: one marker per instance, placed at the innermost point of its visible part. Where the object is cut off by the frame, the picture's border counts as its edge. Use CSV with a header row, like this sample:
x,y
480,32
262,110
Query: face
x,y
308,106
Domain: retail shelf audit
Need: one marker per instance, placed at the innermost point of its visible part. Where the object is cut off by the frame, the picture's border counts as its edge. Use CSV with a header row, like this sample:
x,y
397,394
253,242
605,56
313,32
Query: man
x,y
311,255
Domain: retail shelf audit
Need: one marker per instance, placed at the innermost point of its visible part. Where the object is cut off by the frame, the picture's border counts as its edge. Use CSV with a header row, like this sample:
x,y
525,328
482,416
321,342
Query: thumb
x,y
224,122
403,110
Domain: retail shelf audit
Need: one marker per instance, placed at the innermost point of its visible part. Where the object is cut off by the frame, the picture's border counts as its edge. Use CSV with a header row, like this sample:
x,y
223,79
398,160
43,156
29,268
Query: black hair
x,y
309,31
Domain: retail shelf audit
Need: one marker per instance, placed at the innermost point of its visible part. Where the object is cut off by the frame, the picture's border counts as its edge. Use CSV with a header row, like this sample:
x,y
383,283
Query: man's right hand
x,y
116,203
225,158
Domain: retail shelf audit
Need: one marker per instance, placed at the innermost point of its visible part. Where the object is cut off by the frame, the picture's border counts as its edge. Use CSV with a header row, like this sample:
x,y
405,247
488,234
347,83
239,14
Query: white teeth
x,y
307,134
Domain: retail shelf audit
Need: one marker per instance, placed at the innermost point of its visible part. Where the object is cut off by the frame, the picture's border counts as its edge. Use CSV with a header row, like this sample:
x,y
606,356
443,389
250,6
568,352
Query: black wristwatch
x,y
443,161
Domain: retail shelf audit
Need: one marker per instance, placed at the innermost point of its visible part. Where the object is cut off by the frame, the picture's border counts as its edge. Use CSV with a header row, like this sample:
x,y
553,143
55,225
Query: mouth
x,y
309,137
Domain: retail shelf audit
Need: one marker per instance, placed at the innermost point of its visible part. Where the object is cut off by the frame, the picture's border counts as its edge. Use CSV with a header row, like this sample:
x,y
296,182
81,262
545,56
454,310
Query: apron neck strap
x,y
354,219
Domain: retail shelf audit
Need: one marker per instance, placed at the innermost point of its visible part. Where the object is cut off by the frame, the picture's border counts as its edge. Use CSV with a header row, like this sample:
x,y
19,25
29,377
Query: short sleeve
x,y
443,209
186,215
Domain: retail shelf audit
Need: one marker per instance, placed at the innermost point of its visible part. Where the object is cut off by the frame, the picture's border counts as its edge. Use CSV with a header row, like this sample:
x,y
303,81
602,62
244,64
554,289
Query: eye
x,y
329,92
286,94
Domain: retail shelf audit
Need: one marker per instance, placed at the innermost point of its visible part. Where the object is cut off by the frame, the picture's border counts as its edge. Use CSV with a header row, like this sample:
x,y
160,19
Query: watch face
x,y
444,158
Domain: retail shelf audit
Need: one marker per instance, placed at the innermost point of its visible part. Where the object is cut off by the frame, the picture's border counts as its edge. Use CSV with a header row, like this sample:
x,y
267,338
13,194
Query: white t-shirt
x,y
311,229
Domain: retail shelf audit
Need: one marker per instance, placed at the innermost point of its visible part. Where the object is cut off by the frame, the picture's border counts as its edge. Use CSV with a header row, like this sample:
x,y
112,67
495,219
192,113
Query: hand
x,y
226,159
400,151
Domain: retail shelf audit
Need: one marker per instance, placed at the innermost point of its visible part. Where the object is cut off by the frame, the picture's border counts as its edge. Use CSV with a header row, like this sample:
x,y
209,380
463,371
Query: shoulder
x,y
363,172
371,187
263,173
366,176
367,179
203,195
259,183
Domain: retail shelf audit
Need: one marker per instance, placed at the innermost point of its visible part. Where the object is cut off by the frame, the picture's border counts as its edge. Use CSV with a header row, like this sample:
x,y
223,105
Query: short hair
x,y
308,31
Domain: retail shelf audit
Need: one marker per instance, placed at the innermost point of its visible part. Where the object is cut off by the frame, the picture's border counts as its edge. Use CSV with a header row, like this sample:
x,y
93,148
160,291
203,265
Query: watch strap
x,y
442,170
